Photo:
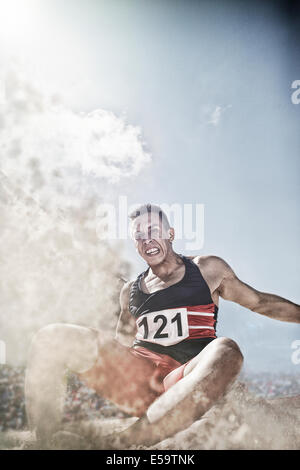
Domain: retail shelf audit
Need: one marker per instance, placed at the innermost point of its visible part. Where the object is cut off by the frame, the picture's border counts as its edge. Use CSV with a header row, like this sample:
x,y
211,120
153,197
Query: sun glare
x,y
17,18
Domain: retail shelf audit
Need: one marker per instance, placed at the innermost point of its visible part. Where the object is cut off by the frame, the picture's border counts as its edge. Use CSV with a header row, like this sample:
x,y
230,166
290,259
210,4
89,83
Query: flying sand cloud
x,y
54,267
47,148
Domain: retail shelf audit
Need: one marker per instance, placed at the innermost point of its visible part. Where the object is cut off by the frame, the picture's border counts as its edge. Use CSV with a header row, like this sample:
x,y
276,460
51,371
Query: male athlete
x,y
176,368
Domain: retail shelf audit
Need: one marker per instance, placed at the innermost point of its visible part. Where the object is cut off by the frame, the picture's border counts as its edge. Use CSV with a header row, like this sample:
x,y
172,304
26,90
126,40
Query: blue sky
x,y
209,83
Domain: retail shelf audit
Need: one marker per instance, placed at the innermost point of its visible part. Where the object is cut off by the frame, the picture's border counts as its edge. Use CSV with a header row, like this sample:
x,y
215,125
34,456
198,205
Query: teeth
x,y
152,250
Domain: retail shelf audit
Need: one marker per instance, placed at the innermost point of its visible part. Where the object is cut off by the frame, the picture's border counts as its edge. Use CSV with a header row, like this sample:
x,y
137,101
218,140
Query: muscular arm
x,y
126,327
231,288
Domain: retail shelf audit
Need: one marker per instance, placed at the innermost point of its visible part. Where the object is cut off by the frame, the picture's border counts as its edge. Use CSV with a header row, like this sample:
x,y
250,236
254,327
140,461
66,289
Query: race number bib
x,y
164,327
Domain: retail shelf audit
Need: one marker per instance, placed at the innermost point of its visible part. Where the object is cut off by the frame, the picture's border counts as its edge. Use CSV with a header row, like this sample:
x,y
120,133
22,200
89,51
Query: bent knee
x,y
73,345
231,347
47,331
64,335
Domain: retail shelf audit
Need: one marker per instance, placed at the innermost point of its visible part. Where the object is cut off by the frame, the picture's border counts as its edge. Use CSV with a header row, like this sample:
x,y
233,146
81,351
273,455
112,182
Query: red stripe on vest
x,y
193,334
209,308
200,320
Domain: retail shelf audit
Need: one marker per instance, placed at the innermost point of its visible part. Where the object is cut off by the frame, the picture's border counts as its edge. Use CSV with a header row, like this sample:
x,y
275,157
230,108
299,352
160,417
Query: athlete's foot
x,y
35,444
65,440
141,433
60,440
115,441
32,443
109,442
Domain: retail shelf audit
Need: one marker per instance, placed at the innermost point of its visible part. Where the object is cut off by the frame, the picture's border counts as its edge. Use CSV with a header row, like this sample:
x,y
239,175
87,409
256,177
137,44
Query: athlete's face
x,y
151,237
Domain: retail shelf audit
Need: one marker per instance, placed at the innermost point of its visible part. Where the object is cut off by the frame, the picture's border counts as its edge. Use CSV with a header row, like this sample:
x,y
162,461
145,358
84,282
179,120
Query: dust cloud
x,y
55,166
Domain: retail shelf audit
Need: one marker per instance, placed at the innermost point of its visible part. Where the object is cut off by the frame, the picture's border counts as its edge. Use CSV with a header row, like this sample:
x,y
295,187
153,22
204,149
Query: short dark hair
x,y
147,209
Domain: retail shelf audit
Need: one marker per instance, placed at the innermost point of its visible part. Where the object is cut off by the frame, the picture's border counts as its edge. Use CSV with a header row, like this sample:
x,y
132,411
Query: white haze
x,y
53,266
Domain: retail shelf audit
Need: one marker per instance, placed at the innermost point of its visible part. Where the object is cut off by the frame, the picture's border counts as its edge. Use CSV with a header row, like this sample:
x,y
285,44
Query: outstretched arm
x,y
126,327
270,305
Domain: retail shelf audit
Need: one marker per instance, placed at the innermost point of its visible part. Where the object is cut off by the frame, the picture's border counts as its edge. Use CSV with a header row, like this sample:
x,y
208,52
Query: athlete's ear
x,y
171,232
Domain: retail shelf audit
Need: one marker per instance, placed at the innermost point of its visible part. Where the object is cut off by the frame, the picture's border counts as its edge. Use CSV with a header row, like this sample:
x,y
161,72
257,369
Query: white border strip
x,y
204,327
202,314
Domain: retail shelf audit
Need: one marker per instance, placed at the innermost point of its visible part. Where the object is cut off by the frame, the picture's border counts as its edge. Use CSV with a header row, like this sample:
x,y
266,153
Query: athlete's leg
x,y
55,349
104,364
129,380
206,379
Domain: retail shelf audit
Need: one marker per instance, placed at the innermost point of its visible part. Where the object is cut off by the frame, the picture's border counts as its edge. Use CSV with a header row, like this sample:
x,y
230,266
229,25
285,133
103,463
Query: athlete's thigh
x,y
122,377
214,350
209,349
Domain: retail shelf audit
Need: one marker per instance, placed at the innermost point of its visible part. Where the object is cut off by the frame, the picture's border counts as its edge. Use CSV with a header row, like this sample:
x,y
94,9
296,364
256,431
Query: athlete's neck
x,y
167,267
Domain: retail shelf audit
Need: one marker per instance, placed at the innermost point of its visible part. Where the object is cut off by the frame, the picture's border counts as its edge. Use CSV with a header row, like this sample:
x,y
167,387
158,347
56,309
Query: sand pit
x,y
240,420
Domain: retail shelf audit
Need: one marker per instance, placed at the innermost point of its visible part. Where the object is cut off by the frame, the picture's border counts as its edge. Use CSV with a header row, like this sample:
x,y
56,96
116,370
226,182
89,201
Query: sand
x,y
240,420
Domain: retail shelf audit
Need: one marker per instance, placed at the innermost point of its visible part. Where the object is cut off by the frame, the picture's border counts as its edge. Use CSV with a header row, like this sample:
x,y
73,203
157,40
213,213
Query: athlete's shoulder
x,y
126,286
205,259
125,292
212,263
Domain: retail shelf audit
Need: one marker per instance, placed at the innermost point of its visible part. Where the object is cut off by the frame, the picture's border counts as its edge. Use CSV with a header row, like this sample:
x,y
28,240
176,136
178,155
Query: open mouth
x,y
152,251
